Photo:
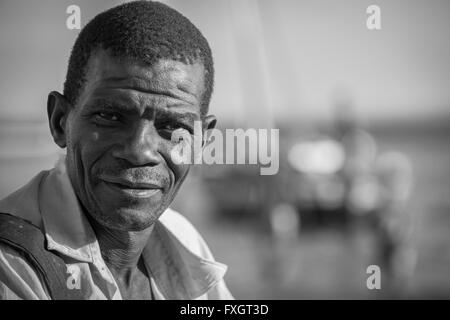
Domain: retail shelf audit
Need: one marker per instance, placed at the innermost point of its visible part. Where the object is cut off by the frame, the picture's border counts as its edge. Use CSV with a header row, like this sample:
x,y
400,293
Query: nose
x,y
140,146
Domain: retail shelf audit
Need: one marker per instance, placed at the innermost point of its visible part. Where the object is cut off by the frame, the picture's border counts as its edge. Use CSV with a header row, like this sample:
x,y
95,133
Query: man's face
x,y
119,137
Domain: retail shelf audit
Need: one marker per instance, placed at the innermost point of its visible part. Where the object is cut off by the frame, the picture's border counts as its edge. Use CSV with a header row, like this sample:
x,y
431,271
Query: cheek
x,y
75,170
86,148
181,171
178,170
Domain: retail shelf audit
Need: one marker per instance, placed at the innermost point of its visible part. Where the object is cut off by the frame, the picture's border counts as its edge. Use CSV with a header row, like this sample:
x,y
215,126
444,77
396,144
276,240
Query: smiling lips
x,y
131,188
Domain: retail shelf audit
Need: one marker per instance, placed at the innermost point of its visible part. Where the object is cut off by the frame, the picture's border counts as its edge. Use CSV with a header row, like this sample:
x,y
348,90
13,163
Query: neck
x,y
121,250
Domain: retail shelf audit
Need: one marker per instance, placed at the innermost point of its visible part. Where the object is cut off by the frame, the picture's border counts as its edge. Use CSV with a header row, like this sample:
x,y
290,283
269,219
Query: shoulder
x,y
178,224
185,232
24,202
18,279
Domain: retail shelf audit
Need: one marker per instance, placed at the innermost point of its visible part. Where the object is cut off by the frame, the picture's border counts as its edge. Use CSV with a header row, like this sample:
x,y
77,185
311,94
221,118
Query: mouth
x,y
132,188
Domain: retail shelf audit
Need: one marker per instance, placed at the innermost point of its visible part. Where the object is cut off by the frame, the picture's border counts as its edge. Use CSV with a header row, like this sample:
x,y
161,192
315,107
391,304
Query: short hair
x,y
145,31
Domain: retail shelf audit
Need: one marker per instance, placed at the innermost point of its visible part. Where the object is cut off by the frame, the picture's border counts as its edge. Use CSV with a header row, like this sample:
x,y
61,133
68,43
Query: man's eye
x,y
170,127
175,126
107,116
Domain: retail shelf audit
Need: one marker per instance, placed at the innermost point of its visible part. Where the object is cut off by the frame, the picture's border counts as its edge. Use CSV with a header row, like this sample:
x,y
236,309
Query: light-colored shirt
x,y
178,261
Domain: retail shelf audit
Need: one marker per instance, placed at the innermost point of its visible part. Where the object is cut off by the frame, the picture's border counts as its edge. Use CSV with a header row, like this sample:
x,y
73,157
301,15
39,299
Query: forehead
x,y
163,80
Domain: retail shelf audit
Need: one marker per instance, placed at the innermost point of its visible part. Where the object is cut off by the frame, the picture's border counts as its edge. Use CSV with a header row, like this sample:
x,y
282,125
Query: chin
x,y
131,219
125,218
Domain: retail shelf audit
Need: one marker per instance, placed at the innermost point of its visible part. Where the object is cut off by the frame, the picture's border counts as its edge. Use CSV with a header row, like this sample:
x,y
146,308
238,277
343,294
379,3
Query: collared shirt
x,y
178,261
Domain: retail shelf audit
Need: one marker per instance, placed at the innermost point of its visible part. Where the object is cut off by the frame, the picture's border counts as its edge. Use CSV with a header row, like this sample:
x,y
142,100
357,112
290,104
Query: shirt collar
x,y
178,272
198,274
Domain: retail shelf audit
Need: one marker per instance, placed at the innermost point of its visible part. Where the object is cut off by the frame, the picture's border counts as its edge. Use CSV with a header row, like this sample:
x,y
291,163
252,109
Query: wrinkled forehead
x,y
164,76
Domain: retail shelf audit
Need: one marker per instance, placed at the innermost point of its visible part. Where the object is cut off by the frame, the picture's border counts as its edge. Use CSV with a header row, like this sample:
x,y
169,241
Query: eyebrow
x,y
108,105
185,116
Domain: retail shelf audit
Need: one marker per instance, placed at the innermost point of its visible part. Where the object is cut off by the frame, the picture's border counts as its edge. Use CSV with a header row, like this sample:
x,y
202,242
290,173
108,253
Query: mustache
x,y
134,174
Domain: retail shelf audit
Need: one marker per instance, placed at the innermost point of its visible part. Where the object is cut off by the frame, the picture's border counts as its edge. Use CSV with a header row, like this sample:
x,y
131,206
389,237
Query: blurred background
x,y
364,120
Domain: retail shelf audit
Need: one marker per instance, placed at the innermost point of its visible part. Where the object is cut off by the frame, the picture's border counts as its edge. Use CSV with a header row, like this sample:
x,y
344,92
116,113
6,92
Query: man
x,y
98,226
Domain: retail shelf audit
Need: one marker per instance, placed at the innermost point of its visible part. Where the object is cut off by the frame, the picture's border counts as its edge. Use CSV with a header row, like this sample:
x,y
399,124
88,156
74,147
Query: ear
x,y
57,110
209,123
